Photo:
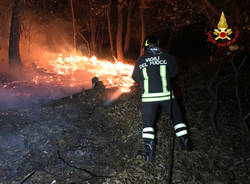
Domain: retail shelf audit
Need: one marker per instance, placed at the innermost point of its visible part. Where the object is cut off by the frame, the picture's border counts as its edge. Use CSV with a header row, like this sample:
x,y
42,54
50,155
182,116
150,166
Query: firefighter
x,y
153,71
97,84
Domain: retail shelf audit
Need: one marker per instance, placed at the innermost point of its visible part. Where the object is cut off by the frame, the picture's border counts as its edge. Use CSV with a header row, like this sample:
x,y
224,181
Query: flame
x,y
113,74
69,74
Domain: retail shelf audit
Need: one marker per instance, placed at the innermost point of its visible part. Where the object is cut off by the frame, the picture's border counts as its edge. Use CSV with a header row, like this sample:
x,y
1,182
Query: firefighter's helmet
x,y
150,40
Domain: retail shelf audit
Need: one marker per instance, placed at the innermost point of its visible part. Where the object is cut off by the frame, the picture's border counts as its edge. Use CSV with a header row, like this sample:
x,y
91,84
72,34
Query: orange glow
x,y
70,74
69,71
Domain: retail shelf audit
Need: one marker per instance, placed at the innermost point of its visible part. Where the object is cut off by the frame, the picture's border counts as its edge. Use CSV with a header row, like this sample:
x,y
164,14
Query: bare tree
x,y
92,27
73,24
109,28
119,50
208,7
171,36
128,31
142,5
14,52
86,41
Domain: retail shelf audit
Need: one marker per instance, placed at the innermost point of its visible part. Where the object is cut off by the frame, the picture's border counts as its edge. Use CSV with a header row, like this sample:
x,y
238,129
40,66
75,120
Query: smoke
x,y
8,98
44,45
27,94
43,35
112,97
41,41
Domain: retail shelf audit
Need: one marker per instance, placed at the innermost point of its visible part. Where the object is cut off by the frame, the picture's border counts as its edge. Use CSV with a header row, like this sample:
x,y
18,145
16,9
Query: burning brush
x,y
61,76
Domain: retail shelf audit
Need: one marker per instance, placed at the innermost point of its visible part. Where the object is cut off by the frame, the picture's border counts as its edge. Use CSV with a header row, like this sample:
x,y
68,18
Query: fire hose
x,y
171,139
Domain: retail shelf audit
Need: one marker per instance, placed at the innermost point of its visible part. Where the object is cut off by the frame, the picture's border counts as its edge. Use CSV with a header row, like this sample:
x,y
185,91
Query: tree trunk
x,y
128,31
109,29
92,30
119,49
171,37
237,95
208,6
73,24
236,19
14,52
86,41
142,25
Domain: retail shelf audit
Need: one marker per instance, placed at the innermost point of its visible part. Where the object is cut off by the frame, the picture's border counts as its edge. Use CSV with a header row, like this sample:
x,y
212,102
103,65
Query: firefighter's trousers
x,y
149,114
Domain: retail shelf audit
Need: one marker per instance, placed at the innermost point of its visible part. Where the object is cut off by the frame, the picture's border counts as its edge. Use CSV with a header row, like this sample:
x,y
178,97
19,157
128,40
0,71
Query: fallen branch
x,y
93,175
246,116
237,96
27,177
211,87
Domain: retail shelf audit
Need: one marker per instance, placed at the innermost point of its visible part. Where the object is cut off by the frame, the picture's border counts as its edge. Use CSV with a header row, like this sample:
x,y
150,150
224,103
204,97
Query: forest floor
x,y
82,139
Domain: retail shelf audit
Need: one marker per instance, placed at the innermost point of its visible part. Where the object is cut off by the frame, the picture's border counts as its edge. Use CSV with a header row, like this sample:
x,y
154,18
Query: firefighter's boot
x,y
149,150
186,143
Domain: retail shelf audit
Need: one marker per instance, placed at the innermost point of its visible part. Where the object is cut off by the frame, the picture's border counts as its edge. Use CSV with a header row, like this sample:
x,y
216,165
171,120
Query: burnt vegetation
x,y
50,133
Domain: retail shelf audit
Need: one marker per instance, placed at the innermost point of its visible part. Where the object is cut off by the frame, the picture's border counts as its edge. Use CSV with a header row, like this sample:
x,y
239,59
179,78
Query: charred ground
x,y
79,139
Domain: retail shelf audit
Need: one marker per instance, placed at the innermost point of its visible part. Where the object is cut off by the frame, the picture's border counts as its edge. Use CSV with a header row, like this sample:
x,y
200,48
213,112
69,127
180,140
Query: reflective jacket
x,y
153,71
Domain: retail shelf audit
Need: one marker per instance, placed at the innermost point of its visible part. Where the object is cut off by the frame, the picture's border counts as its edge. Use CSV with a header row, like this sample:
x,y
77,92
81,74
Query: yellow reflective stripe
x,y
181,133
149,136
145,75
156,94
148,129
180,125
163,78
155,99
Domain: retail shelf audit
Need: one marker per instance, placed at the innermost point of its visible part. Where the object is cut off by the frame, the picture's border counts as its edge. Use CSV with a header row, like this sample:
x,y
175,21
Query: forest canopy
x,y
111,27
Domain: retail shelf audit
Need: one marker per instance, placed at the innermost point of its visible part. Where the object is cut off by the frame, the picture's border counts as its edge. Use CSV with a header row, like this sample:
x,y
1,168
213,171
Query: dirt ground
x,y
82,139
